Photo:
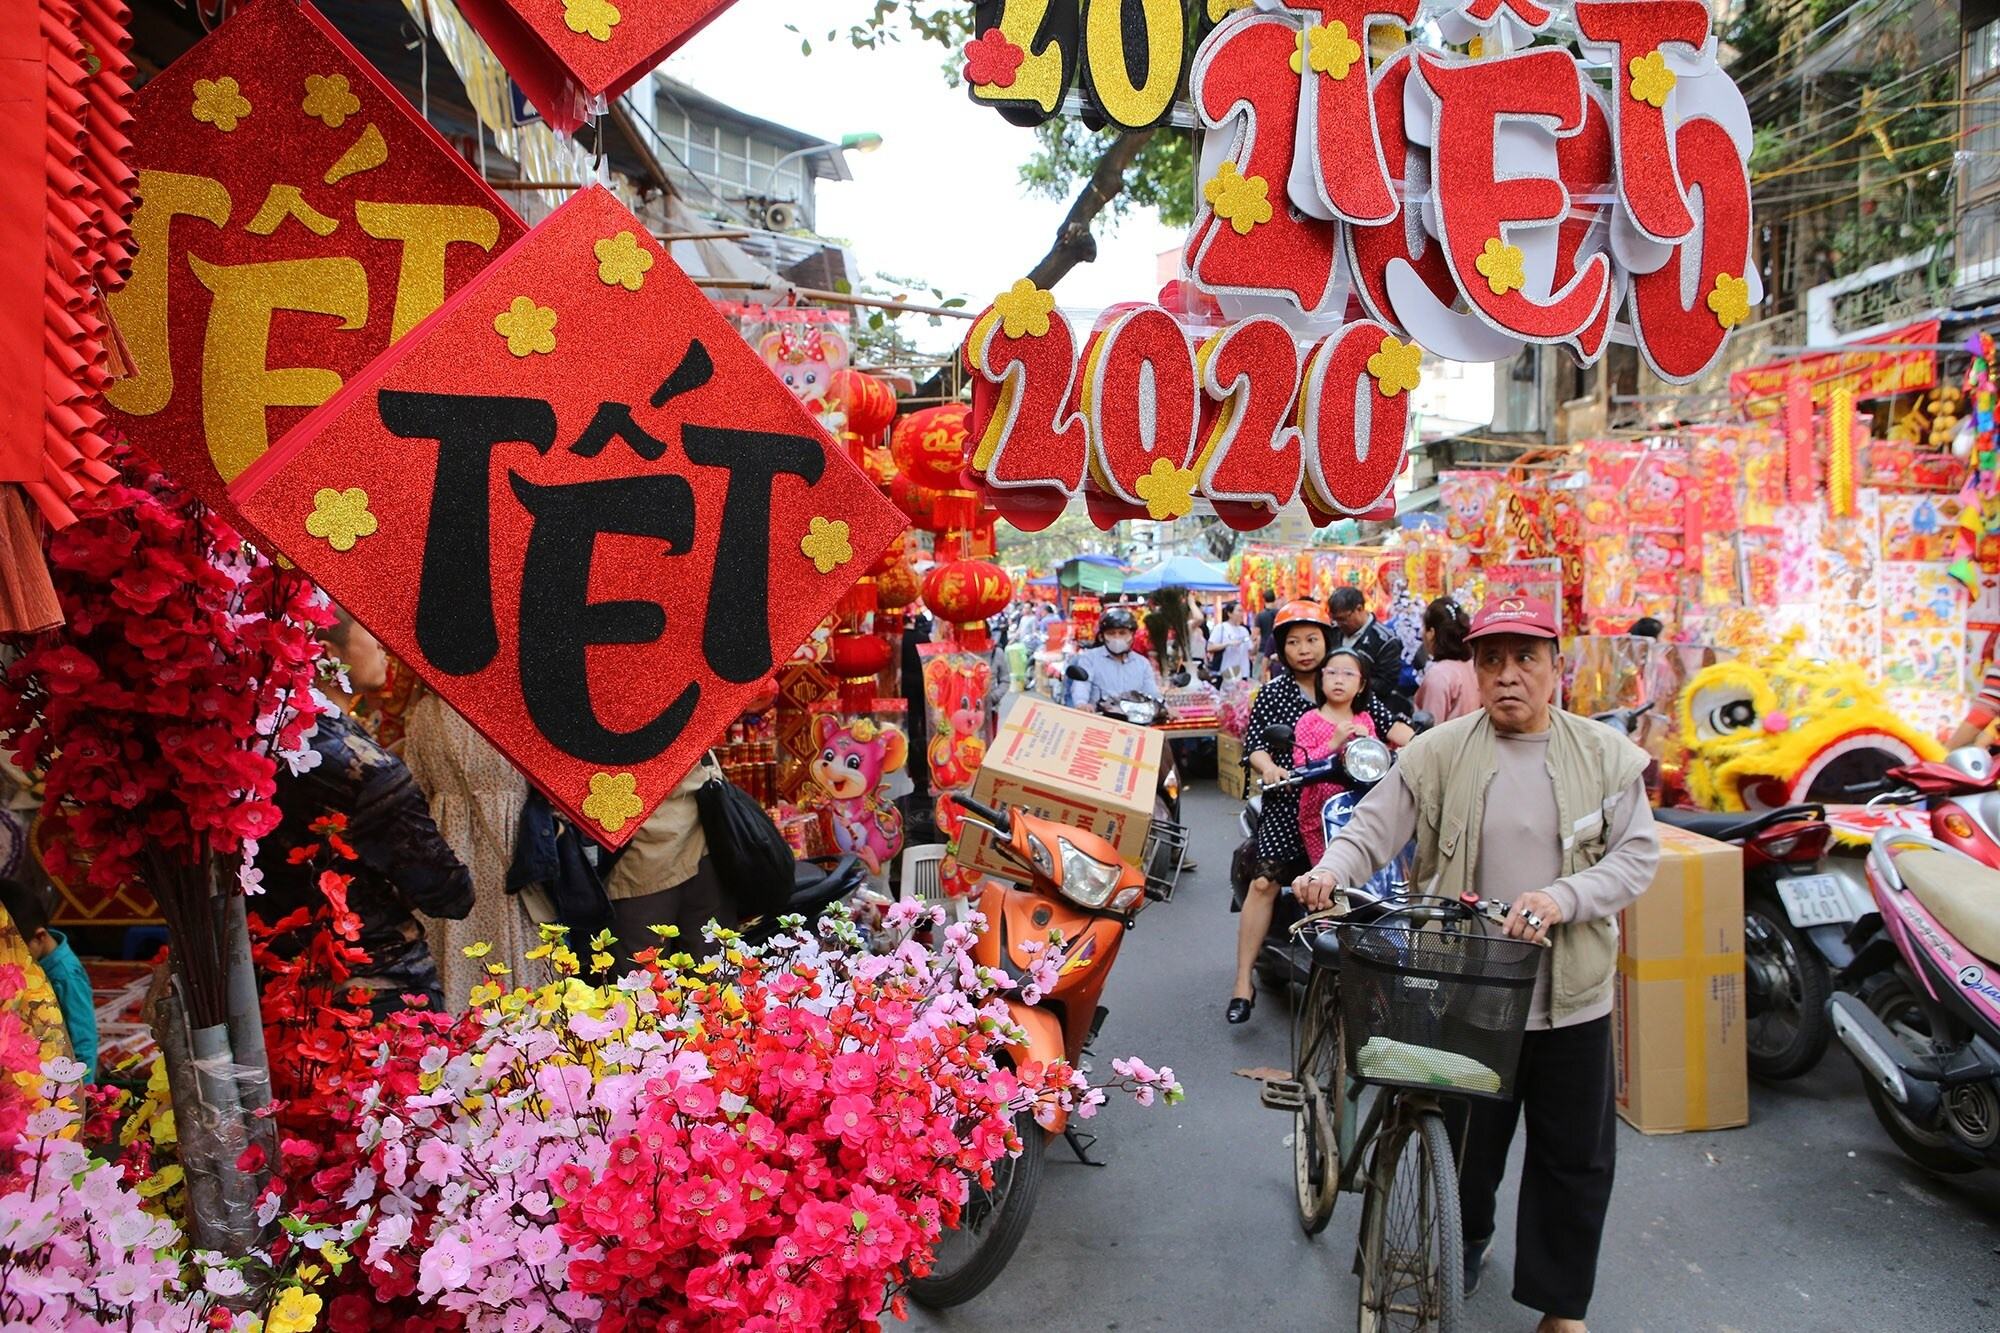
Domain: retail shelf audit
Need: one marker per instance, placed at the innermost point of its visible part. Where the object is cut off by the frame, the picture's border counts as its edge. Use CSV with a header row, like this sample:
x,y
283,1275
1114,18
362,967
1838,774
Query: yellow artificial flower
x,y
1397,366
1167,490
1503,266
166,1178
329,100
295,1312
1651,79
826,544
621,262
340,517
478,950
1024,310
220,102
527,327
1241,201
1730,300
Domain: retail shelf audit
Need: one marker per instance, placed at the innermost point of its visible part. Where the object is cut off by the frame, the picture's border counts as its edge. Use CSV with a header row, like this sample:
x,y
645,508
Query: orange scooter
x,y
1077,887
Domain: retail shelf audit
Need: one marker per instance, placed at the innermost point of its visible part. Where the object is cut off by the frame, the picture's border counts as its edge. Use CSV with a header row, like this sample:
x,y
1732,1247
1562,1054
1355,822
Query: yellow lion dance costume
x,y
1781,728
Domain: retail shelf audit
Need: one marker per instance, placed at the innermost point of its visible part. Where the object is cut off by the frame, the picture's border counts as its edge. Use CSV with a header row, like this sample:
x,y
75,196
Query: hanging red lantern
x,y
919,502
892,555
857,659
897,587
858,601
880,466
929,446
964,593
870,404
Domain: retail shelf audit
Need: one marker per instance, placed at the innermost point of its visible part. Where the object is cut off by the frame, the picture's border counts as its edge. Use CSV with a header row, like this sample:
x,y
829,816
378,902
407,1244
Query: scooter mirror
x,y
1278,738
1077,671
1179,679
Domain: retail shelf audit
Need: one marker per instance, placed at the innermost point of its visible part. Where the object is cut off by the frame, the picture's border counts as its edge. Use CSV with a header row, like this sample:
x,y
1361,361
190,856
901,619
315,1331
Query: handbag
x,y
750,856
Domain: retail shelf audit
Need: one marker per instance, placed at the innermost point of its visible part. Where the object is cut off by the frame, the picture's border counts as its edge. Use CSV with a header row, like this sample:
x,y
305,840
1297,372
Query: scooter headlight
x,y
1138,714
1366,759
1086,881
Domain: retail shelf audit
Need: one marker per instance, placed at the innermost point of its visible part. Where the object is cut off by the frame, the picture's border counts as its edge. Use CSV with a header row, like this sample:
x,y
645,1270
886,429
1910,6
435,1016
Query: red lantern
x,y
929,446
966,592
870,404
896,587
919,502
857,659
880,466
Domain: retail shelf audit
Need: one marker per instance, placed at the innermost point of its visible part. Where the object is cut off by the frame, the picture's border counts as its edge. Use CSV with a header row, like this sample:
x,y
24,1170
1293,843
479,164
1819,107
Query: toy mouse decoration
x,y
853,760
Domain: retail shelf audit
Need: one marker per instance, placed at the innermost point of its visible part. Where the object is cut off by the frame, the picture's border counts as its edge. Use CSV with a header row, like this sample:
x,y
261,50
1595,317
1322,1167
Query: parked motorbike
x,y
816,886
1925,1028
1166,844
1796,920
1285,959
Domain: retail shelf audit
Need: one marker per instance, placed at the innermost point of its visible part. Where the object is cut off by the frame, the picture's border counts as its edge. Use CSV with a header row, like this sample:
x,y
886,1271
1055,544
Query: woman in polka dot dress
x,y
1303,632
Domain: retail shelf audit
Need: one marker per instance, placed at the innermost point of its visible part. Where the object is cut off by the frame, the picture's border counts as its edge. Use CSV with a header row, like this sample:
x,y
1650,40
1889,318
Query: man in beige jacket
x,y
1546,811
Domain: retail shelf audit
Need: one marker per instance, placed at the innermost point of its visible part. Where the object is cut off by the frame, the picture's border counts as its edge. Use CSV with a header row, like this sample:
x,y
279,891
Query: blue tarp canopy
x,y
1045,581
1183,571
1100,574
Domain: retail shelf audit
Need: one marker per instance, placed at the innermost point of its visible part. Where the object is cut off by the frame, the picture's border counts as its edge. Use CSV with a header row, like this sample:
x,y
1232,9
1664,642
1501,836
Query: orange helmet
x,y
1300,613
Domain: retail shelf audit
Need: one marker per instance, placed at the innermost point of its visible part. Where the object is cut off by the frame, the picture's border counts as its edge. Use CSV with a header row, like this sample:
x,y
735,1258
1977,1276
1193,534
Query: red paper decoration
x,y
571,57
869,404
1370,250
296,216
1682,342
1250,459
929,446
964,593
1631,34
580,506
1337,113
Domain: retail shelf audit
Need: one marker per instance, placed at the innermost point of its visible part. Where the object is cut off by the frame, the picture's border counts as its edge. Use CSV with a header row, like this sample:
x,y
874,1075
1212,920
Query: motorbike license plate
x,y
1815,900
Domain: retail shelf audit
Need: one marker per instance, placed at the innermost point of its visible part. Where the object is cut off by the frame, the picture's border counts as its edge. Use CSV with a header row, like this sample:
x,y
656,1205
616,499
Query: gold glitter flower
x,y
825,544
341,518
593,18
1397,367
329,99
1330,51
1167,490
1241,201
527,327
220,102
1651,79
613,801
1730,300
1503,265
1024,310
620,261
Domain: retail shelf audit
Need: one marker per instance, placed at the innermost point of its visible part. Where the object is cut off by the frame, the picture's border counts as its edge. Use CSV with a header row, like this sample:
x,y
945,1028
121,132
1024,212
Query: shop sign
x,y
579,505
296,215
1872,368
1494,202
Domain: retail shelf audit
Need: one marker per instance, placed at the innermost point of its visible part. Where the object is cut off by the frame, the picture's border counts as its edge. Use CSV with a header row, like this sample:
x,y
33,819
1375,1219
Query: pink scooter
x,y
1924,1027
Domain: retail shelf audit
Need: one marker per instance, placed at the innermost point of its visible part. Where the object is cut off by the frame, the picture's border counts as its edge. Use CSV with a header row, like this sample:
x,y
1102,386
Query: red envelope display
x,y
571,56
581,508
296,215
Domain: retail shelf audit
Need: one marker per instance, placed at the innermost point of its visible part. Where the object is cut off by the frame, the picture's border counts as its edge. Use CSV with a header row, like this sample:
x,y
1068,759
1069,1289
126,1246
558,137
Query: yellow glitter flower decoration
x,y
1219,10
1651,79
1024,310
220,102
1503,266
1167,490
1396,367
593,18
613,801
1330,51
1241,201
341,518
621,262
329,99
1730,300
825,544
527,327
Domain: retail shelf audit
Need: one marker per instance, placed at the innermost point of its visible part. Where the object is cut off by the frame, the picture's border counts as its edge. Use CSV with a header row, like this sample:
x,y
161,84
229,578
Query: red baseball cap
x,y
1530,617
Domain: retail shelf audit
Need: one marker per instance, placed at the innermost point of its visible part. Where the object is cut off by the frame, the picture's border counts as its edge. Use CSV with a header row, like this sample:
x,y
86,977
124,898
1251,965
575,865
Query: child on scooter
x,y
1347,709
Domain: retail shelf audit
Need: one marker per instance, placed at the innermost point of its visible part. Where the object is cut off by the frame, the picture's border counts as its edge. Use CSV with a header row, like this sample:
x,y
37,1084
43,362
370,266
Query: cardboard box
x,y
1077,768
1229,765
1678,1018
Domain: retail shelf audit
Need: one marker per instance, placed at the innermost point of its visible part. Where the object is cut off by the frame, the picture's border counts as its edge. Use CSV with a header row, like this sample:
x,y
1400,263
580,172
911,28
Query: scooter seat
x,y
1961,893
1727,825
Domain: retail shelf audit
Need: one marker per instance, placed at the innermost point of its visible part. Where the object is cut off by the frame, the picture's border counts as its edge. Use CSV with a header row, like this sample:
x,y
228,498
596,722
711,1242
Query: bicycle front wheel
x,y
1412,1243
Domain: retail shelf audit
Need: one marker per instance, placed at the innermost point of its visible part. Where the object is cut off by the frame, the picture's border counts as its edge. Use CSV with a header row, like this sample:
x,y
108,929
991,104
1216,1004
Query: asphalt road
x,y
1807,1219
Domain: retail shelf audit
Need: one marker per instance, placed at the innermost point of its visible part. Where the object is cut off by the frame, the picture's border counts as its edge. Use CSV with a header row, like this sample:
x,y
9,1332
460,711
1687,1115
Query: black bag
x,y
551,851
750,856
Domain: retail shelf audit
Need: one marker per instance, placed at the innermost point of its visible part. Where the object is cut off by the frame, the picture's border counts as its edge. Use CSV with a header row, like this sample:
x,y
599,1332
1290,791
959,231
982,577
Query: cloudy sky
x,y
940,201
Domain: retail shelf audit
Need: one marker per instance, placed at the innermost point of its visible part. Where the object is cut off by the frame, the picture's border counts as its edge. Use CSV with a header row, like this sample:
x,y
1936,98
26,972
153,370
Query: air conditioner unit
x,y
781,216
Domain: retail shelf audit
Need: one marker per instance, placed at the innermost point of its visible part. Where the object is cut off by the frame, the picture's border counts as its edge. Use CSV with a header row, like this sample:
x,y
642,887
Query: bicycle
x,y
1435,1005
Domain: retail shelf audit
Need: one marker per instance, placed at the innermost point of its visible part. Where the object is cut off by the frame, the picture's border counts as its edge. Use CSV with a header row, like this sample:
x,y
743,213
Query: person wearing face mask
x,y
1114,666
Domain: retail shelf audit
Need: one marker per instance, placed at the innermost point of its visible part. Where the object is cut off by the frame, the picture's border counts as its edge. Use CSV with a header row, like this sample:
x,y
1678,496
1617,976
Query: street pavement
x,y
1808,1219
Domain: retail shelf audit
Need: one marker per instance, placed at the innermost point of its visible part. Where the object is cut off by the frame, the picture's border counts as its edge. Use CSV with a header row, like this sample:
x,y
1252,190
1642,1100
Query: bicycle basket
x,y
1434,996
